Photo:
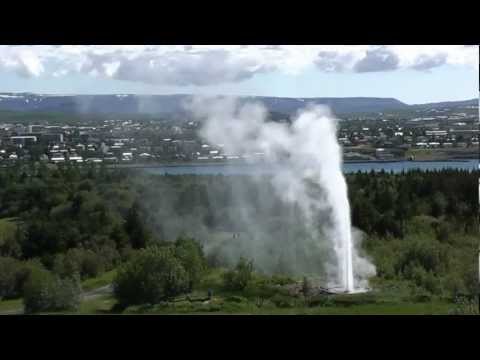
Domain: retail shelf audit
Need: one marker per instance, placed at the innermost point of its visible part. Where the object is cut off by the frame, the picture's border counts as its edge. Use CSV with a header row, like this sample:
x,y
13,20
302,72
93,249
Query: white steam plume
x,y
308,173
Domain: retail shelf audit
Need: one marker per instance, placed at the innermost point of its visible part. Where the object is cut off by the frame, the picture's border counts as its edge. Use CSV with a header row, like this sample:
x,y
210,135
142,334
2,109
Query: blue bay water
x,y
256,169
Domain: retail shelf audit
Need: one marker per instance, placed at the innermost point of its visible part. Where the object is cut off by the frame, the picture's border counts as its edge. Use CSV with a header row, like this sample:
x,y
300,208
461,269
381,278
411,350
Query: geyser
x,y
308,174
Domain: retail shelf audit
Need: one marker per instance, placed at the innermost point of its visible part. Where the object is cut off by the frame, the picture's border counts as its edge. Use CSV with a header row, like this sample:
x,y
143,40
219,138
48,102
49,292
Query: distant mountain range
x,y
174,104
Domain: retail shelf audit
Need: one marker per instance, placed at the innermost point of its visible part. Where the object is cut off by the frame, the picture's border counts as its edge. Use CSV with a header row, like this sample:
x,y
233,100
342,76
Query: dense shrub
x,y
282,301
14,274
44,291
92,264
67,294
11,239
9,269
84,263
190,254
320,300
153,275
465,306
281,280
238,278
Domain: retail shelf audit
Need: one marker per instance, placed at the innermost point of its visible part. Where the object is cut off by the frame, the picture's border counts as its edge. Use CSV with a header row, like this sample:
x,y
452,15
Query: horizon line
x,y
239,96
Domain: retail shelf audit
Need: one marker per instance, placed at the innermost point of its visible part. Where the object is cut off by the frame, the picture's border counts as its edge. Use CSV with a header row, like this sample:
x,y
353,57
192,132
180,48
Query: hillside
x,y
171,104
174,104
447,104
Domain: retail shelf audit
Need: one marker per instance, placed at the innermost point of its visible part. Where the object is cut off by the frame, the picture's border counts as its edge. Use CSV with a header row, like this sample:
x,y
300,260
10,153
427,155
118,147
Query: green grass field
x,y
391,300
249,308
219,305
102,280
10,305
7,229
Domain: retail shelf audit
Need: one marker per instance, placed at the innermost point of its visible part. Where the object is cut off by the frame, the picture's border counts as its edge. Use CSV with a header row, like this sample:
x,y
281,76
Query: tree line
x,y
60,225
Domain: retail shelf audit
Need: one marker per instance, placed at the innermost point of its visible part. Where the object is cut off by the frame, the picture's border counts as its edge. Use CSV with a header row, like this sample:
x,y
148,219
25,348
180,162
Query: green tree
x,y
191,256
9,269
135,227
439,204
154,274
238,278
38,291
44,291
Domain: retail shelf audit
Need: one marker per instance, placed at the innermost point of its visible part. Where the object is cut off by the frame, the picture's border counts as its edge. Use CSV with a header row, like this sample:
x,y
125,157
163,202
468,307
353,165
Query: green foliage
x,y
190,254
85,263
13,276
100,281
281,280
320,300
44,291
9,268
153,275
306,287
238,278
282,301
465,306
11,238
421,229
135,227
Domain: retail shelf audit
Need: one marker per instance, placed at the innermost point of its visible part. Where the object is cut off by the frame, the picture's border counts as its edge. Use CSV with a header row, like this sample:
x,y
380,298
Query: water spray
x,y
310,177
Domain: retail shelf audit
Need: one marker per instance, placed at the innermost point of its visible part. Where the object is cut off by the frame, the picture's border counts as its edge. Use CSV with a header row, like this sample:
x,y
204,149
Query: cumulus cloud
x,y
203,65
24,62
332,61
429,62
381,59
194,68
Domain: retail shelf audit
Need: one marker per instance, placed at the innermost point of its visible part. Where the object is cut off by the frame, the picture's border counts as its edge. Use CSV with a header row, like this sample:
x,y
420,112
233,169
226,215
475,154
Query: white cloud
x,y
379,59
24,61
201,65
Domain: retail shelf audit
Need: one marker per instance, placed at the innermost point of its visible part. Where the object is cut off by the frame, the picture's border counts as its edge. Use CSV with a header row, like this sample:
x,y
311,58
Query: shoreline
x,y
193,164
244,163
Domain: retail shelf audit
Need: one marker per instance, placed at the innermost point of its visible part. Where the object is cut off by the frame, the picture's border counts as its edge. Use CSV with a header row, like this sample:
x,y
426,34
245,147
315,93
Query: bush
x,y
110,257
153,275
91,264
85,263
320,300
238,278
190,254
281,280
236,299
282,301
23,274
13,275
9,269
465,306
421,295
67,294
260,289
46,292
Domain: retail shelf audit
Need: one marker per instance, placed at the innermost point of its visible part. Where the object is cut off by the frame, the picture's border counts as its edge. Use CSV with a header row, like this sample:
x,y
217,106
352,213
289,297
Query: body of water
x,y
250,169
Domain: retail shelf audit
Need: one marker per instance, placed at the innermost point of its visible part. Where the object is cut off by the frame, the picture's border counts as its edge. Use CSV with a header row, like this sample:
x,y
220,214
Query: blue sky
x,y
427,75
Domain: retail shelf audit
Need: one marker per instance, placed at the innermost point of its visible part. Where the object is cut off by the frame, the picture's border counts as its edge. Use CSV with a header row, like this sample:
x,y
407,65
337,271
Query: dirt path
x,y
95,293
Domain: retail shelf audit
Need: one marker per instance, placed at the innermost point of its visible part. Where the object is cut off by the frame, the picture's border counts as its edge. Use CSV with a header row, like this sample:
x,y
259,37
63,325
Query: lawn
x,y
99,281
434,308
10,305
390,301
100,305
7,229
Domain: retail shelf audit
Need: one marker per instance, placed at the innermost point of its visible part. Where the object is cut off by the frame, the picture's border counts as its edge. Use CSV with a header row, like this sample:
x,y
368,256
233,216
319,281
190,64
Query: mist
x,y
314,235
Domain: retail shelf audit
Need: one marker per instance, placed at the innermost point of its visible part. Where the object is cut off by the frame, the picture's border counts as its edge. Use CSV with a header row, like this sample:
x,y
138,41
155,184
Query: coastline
x,y
242,163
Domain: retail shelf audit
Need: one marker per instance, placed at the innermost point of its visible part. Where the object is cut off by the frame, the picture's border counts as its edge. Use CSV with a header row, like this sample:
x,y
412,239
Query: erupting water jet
x,y
310,177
